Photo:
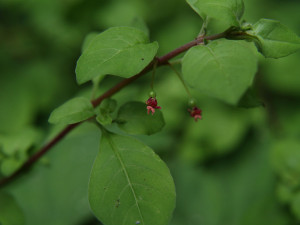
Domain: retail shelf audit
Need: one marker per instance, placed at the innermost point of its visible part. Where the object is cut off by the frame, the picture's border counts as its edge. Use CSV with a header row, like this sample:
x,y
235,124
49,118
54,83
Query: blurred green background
x,y
235,167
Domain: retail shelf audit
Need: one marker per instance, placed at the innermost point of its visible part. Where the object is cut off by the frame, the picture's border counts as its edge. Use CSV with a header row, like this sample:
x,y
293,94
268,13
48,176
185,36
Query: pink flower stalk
x,y
196,113
152,105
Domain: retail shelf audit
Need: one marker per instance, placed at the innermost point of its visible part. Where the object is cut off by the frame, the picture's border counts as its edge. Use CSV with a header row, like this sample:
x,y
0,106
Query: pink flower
x,y
152,105
196,113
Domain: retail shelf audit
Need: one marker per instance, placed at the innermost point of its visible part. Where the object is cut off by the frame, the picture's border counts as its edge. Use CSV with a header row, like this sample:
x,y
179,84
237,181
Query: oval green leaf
x,y
275,40
10,212
222,69
73,111
130,184
121,51
133,119
229,11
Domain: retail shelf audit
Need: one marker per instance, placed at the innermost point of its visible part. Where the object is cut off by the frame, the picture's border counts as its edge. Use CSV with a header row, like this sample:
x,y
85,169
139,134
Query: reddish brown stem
x,y
163,60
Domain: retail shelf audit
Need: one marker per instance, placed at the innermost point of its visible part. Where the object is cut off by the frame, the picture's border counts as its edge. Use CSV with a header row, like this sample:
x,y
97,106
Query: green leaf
x,y
133,118
104,117
229,11
108,104
222,69
121,51
87,40
10,212
104,111
275,40
73,111
130,184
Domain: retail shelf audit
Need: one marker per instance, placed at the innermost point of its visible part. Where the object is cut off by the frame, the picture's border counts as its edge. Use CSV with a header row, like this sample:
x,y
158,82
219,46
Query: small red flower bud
x,y
152,105
196,113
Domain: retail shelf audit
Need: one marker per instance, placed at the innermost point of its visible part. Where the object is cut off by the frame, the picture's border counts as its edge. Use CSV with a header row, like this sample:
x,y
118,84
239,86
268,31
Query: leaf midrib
x,y
114,55
220,66
114,148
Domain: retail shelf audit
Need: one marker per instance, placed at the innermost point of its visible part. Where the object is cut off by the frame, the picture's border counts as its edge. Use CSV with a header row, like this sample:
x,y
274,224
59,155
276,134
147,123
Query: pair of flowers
x,y
151,103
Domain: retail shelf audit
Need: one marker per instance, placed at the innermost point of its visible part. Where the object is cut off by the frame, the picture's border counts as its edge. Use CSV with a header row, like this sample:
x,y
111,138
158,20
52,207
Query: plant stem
x,y
96,82
39,154
181,79
175,61
153,75
163,60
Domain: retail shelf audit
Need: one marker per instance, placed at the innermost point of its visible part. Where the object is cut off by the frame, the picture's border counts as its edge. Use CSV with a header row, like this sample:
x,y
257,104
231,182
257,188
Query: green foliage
x,y
220,164
15,147
239,189
73,111
223,69
10,212
133,119
274,40
8,166
227,11
104,118
130,184
87,40
107,107
282,75
121,51
286,158
220,132
56,193
19,142
296,205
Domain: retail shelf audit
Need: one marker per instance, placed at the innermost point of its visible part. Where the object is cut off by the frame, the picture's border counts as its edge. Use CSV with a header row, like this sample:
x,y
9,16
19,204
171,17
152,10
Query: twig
x,y
163,60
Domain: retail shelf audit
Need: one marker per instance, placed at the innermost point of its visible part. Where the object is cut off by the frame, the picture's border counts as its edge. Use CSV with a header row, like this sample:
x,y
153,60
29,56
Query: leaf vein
x,y
115,150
